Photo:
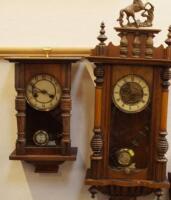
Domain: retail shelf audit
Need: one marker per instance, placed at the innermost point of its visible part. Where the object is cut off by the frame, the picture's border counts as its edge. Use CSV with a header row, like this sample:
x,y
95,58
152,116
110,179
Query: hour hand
x,y
37,90
51,96
45,92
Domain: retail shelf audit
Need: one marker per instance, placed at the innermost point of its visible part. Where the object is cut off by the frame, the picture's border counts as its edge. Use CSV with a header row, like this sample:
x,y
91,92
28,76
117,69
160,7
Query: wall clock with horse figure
x,y
130,127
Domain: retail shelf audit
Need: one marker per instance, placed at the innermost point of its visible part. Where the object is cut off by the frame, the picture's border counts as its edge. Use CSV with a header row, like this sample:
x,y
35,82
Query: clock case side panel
x,y
161,140
66,106
97,139
20,106
99,142
45,159
106,122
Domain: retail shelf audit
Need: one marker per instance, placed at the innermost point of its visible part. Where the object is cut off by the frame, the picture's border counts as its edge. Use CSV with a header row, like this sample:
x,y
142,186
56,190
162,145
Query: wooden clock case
x,y
57,121
144,132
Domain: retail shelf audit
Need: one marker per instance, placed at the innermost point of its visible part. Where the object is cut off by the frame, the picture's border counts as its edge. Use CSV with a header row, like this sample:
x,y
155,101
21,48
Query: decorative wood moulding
x,y
135,43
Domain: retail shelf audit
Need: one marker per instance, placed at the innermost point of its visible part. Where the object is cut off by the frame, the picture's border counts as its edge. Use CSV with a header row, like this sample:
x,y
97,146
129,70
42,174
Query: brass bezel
x,y
128,152
46,109
40,132
126,111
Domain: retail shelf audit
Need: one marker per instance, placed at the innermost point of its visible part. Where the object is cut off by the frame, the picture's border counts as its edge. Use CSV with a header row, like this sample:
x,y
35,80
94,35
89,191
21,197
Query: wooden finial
x,y
93,190
168,41
102,37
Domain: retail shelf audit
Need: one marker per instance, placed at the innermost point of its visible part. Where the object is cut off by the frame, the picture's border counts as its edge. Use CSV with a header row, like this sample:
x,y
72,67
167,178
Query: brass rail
x,y
43,52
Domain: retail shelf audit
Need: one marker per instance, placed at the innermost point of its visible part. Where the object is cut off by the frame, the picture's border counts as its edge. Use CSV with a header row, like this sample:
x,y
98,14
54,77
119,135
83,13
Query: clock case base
x,y
123,188
45,163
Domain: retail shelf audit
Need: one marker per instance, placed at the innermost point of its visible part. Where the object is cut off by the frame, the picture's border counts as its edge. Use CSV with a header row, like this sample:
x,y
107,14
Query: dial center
x,y
131,93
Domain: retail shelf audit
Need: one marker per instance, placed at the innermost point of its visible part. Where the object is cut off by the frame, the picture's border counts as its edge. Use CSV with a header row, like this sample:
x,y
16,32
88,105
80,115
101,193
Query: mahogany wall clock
x,y
43,105
132,80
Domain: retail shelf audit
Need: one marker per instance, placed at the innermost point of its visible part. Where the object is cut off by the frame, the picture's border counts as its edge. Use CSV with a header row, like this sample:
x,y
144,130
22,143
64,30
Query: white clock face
x,y
131,94
43,92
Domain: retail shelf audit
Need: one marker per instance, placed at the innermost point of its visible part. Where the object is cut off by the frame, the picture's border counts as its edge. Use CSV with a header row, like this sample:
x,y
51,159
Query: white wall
x,y
58,23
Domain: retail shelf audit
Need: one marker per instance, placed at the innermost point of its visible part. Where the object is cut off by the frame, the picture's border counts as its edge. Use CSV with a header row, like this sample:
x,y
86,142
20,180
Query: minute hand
x,y
43,91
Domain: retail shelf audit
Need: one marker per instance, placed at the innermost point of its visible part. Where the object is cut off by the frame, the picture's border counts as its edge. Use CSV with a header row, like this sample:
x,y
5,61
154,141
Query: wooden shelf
x,y
44,158
45,163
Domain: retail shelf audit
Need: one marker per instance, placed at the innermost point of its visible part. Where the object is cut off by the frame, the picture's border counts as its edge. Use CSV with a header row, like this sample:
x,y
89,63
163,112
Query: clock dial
x,y
131,94
124,157
41,138
43,92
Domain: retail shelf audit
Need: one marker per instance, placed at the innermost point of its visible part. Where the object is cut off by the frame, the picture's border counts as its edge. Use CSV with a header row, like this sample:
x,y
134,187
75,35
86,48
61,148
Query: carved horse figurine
x,y
130,11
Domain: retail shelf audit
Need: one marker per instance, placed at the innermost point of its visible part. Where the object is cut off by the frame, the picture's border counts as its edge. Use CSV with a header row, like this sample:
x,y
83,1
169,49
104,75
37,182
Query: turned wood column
x,y
20,105
168,54
162,141
97,140
66,109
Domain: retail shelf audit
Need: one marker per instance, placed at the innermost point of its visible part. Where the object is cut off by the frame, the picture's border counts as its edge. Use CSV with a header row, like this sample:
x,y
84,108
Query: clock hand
x,y
46,92
34,90
38,90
